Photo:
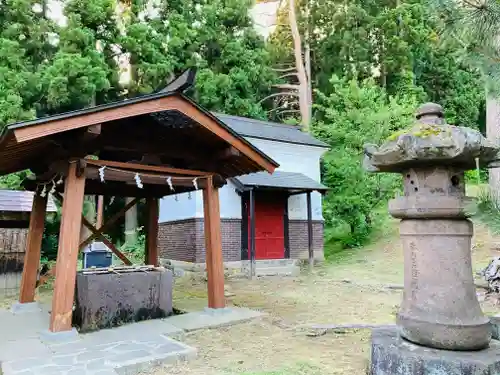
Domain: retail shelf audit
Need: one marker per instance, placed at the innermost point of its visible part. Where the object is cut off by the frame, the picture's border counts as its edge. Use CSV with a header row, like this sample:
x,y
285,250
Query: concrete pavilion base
x,y
392,355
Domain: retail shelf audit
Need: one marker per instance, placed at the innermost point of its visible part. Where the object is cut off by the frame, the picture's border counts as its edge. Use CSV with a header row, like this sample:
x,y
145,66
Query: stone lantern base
x,y
392,355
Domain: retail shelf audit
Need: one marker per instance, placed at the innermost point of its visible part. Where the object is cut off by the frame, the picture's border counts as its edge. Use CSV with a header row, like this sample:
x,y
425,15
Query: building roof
x,y
248,127
21,201
291,181
165,129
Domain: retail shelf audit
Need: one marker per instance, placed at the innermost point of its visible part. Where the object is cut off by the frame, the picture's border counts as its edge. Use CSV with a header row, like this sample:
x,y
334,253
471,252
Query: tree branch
x,y
283,70
290,111
287,86
291,93
284,106
288,75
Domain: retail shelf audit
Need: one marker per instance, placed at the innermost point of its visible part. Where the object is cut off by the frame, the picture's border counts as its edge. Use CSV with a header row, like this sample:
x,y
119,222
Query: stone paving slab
x,y
212,318
120,357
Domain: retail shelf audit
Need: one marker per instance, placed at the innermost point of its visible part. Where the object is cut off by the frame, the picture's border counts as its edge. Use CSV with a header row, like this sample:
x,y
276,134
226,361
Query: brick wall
x,y
184,240
299,248
178,240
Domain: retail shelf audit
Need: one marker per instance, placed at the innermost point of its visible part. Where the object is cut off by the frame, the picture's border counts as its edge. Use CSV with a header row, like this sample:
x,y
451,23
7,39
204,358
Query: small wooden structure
x,y
15,208
181,148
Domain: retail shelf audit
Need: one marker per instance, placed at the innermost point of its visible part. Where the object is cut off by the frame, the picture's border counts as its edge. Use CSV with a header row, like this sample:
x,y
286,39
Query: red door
x,y
269,227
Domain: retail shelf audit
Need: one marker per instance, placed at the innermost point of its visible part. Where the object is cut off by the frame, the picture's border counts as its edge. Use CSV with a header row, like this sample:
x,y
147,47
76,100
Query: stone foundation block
x,y
392,355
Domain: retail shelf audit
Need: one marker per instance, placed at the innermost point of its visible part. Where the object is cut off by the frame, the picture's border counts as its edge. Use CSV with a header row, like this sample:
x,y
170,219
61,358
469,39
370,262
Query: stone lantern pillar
x,y
440,309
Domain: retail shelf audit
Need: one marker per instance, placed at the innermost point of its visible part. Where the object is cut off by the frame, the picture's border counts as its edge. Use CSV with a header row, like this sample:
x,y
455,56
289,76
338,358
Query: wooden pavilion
x,y
147,147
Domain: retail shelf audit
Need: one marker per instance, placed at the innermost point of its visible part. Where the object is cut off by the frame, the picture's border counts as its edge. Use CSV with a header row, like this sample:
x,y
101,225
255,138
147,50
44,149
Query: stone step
x,y
277,271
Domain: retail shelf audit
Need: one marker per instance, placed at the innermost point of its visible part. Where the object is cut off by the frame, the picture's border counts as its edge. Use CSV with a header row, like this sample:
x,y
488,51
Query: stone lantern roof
x,y
429,142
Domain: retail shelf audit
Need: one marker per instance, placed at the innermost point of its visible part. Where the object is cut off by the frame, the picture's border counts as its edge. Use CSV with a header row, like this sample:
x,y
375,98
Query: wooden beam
x,y
310,231
67,253
33,249
107,242
213,247
147,168
98,232
84,120
147,178
153,212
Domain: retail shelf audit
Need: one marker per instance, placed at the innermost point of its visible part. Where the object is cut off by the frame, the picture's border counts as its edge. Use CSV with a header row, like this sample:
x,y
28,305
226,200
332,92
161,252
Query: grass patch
x,y
340,243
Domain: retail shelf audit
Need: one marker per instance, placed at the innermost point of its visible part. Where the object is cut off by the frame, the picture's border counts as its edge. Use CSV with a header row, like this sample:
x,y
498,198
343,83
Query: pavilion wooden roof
x,y
163,129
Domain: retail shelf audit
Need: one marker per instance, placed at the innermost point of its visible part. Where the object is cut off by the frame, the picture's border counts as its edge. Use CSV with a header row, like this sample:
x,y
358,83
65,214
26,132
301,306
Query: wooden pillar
x,y
251,203
152,231
310,231
100,211
67,253
213,246
33,248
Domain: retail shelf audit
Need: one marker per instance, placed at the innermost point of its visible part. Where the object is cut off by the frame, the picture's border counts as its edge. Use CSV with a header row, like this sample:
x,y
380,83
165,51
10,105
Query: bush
x,y
352,115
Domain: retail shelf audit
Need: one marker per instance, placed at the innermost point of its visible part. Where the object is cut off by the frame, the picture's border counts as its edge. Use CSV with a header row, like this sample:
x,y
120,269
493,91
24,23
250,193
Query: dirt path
x,y
275,345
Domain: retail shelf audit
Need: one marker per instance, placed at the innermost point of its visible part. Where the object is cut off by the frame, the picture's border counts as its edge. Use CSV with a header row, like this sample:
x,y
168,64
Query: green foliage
x,y
13,181
486,209
354,114
217,37
50,239
475,26
397,43
136,251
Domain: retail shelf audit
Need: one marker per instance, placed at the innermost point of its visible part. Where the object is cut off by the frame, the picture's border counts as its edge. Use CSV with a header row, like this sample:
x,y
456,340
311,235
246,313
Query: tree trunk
x,y
307,58
301,70
130,223
493,133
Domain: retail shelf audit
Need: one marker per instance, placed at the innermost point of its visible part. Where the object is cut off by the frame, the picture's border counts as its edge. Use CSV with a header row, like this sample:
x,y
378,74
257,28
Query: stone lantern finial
x,y
430,113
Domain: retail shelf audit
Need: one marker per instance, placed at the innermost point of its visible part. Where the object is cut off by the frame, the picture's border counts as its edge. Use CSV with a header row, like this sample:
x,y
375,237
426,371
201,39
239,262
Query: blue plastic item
x,y
97,255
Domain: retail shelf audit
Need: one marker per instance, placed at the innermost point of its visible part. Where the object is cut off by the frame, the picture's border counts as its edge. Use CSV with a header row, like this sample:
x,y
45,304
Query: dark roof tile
x,y
248,127
280,179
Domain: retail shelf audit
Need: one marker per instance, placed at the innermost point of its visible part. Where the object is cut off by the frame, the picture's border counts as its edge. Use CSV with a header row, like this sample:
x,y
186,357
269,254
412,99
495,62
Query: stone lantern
x,y
440,309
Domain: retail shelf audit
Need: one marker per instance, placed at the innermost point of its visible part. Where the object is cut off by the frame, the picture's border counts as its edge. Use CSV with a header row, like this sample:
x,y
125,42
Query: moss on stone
x,y
421,131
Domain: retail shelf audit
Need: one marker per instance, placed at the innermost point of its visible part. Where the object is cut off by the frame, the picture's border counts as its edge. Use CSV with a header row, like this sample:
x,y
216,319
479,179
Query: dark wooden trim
x,y
244,227
286,222
310,230
251,245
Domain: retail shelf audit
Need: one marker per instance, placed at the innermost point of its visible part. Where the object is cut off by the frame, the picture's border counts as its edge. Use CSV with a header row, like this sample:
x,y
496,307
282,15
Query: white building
x,y
280,202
